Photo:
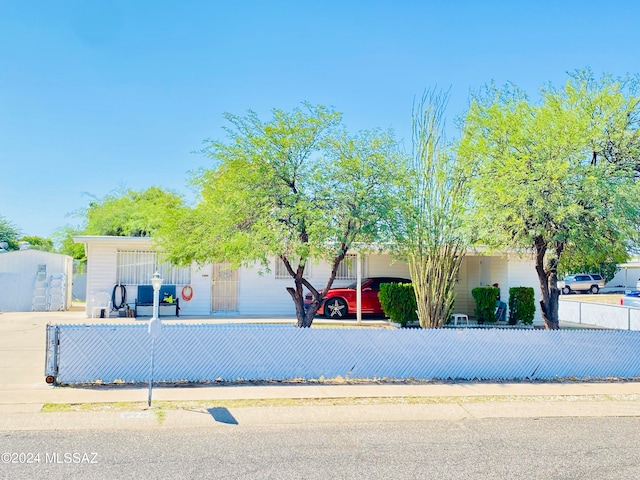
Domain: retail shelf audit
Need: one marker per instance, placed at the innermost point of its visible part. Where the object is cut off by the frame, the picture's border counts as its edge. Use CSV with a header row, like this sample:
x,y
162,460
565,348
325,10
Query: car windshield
x,y
354,285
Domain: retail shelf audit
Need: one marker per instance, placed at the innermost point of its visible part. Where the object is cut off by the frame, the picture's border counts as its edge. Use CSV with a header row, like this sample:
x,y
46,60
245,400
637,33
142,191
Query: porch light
x,y
156,281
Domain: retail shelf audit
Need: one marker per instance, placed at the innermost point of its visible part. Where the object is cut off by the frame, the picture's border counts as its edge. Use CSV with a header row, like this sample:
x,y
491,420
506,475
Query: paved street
x,y
515,448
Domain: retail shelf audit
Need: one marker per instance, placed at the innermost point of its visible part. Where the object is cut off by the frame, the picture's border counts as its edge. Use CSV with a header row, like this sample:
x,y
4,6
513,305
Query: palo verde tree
x,y
295,188
542,182
430,232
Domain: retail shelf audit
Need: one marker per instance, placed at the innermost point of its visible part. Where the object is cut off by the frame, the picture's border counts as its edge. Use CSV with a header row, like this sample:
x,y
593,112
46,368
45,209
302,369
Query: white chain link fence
x,y
209,353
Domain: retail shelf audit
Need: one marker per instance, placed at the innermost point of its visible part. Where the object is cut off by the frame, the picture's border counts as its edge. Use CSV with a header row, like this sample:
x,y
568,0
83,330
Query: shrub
x,y
522,305
485,298
398,301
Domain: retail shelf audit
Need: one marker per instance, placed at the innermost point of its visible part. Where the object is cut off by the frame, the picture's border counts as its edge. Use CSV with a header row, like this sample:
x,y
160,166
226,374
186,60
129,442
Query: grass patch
x,y
161,415
160,407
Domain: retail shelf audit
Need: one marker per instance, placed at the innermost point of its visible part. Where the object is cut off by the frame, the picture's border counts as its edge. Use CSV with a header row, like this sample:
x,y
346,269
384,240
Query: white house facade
x,y
215,290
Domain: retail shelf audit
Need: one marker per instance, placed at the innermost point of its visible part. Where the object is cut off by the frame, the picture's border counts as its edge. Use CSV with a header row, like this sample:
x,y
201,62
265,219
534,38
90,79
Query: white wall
x,y
522,273
101,272
200,303
599,315
17,277
627,277
263,294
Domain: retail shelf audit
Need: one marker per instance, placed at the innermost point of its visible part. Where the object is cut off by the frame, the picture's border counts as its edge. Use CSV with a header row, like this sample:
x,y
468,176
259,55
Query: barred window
x,y
281,271
347,268
136,267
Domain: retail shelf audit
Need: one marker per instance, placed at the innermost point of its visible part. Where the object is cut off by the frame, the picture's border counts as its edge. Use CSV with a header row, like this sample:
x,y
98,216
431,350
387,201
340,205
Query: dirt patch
x,y
605,298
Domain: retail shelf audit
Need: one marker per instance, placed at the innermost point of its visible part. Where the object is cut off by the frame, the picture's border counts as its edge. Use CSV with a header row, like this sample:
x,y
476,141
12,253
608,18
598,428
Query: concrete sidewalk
x,y
23,393
218,406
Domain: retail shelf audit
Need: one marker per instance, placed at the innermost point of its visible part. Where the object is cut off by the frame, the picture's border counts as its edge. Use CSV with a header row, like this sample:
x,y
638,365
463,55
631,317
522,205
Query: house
x,y
627,276
114,262
33,280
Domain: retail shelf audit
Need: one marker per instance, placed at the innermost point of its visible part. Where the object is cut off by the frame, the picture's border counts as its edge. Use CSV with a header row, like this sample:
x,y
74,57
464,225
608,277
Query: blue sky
x,y
101,95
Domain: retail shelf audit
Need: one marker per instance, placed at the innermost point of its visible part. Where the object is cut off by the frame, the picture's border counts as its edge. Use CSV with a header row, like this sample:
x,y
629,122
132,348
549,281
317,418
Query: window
x,y
281,271
347,268
136,267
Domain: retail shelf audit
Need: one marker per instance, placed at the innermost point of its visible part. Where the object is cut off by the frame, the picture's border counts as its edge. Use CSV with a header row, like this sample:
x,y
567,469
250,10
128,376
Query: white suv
x,y
582,282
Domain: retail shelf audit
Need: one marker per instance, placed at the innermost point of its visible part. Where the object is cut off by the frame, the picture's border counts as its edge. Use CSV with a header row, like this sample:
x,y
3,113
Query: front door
x,y
224,288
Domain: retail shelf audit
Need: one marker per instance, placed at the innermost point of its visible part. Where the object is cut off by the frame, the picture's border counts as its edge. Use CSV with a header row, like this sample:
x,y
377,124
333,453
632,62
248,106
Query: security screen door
x,y
224,288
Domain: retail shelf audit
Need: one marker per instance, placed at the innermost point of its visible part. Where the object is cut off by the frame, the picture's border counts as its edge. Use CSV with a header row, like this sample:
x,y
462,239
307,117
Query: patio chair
x,y
101,301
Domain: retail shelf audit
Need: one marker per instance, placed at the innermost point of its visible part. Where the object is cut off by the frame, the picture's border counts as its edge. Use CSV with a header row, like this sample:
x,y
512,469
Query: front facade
x,y
210,290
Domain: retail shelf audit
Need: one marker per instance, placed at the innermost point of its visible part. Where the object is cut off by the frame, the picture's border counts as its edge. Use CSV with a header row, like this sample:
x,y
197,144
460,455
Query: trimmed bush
x,y
398,301
485,298
522,305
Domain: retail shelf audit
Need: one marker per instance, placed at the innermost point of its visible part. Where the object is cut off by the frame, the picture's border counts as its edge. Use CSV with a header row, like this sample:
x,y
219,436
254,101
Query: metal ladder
x,y
56,298
40,293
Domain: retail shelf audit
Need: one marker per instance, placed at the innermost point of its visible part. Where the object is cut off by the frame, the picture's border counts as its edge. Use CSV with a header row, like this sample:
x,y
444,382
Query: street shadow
x,y
222,415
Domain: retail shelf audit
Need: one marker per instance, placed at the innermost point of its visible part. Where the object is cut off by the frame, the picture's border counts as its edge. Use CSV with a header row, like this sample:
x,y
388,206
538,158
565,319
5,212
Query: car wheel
x,y
566,290
594,289
335,308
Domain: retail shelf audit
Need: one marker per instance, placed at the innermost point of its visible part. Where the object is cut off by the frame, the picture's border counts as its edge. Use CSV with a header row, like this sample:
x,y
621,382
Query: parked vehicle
x,y
631,299
341,301
582,282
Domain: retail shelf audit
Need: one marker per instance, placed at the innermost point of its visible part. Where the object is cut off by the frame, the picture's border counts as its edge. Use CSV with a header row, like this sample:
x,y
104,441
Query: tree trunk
x,y
548,279
305,316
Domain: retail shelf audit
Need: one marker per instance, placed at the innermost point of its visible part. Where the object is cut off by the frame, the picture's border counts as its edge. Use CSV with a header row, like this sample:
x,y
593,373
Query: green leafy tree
x,y
130,212
63,240
429,229
9,233
542,183
39,243
296,187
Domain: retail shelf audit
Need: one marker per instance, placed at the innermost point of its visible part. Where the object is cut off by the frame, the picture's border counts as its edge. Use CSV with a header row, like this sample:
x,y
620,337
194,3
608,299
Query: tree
x,y
39,243
296,187
540,184
584,259
63,239
9,233
430,231
130,212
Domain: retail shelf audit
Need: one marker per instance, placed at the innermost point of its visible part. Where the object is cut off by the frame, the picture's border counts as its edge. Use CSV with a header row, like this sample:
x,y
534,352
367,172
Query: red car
x,y
340,302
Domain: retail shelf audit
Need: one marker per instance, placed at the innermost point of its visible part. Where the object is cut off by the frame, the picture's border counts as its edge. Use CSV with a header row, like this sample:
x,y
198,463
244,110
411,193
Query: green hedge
x,y
485,298
522,305
398,301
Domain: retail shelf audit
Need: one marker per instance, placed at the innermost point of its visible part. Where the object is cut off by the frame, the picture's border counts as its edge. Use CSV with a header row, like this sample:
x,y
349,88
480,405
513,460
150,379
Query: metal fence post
x,y
51,354
579,312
